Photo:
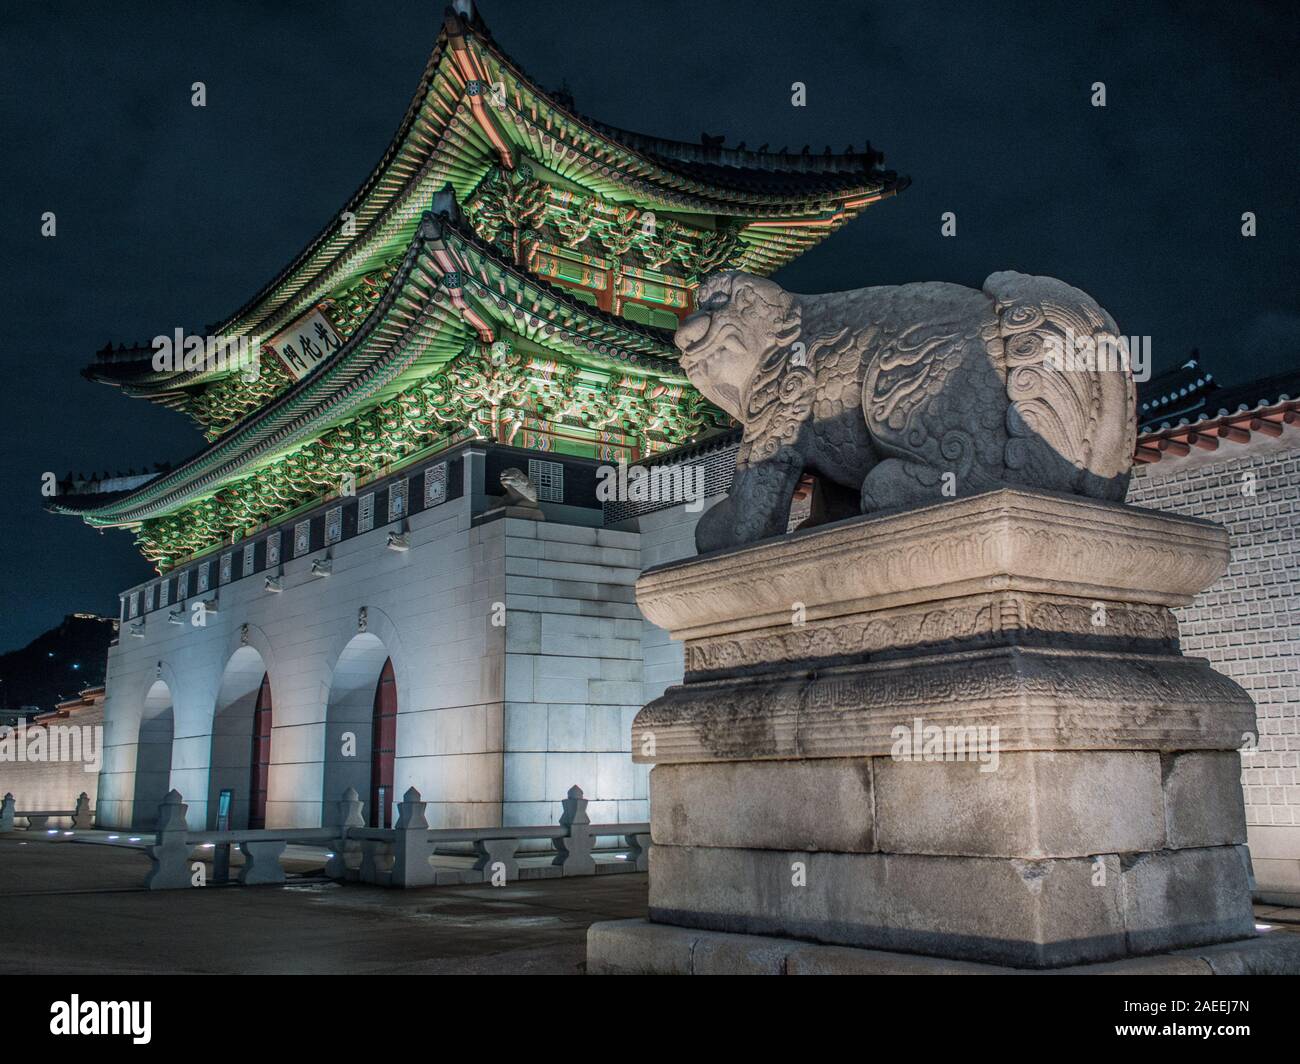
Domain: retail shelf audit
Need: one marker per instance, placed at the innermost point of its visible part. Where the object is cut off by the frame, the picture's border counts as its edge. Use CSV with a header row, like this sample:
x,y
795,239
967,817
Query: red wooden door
x,y
260,762
383,748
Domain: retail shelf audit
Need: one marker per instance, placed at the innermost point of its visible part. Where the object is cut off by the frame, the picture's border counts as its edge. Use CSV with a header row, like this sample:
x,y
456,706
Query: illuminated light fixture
x,y
399,541
137,629
113,837
134,838
176,616
274,585
322,567
211,605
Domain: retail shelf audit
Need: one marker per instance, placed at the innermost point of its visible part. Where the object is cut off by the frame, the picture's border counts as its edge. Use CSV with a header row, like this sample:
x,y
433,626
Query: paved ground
x,y
73,908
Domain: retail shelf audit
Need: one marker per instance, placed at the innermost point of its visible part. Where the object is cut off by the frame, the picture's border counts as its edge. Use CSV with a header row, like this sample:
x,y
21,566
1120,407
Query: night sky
x,y
172,216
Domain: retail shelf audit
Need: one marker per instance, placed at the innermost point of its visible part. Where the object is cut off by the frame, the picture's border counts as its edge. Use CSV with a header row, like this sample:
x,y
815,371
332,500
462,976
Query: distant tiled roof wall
x,y
719,467
1248,624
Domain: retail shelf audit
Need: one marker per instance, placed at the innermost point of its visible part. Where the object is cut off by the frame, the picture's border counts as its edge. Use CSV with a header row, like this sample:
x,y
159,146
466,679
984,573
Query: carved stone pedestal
x,y
964,732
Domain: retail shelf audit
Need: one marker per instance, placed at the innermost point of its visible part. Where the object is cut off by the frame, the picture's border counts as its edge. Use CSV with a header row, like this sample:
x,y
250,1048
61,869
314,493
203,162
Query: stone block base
x,y
1026,913
639,947
965,732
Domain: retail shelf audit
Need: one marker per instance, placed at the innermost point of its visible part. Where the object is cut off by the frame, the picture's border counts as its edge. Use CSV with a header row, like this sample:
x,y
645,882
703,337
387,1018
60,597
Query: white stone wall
x,y
573,672
494,723
1248,624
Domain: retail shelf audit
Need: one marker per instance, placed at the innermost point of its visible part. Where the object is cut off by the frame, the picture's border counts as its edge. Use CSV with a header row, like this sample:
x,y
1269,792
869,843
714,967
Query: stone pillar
x,y
964,732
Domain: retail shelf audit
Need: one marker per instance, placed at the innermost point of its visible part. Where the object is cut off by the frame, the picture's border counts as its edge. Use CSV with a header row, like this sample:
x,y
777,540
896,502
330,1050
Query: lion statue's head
x,y
739,321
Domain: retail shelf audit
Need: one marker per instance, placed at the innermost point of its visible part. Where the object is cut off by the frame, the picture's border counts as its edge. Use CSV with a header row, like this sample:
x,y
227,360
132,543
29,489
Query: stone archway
x,y
360,730
153,755
240,752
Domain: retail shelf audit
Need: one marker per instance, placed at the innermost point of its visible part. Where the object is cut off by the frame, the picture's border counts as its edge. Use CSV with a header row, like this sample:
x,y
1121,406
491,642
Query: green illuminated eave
x,y
784,203
451,292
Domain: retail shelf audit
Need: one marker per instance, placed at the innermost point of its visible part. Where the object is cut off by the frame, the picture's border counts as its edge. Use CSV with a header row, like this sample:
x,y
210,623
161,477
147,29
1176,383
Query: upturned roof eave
x,y
258,437
874,182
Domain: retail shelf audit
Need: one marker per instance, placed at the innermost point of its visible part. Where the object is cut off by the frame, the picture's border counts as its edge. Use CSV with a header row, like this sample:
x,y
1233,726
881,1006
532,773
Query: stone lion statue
x,y
901,395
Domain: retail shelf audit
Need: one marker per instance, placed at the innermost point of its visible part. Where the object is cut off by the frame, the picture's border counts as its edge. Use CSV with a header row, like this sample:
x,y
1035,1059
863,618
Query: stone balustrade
x,y
82,816
403,855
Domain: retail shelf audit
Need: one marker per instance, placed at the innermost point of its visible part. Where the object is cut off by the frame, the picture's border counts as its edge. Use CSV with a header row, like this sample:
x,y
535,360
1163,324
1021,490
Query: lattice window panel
x,y
249,557
435,484
301,538
148,598
273,549
183,585
163,589
334,524
133,610
227,563
366,512
548,479
204,573
397,500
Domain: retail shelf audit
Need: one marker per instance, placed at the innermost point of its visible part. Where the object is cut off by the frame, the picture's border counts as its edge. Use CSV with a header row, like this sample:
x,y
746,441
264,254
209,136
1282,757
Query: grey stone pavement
x,y
78,908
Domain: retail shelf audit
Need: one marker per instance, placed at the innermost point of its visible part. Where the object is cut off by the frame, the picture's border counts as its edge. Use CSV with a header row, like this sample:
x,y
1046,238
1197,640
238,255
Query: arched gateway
x,y
361,731
241,742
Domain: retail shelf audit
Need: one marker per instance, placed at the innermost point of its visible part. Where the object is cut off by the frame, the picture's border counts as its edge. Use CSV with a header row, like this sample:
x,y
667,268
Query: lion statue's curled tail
x,y
901,395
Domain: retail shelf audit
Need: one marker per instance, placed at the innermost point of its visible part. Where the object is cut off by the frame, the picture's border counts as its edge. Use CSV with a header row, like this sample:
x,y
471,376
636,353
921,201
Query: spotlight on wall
x,y
176,616
322,567
137,629
399,541
274,585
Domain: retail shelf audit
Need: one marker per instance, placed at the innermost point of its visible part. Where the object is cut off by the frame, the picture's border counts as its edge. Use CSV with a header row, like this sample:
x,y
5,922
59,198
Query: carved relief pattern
x,y
932,626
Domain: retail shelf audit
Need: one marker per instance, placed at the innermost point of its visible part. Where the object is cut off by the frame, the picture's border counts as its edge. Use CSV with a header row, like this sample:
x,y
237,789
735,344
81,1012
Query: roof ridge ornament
x,y
444,204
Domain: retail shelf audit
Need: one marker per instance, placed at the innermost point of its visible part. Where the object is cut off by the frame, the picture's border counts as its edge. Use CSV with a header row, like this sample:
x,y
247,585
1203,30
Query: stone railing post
x,y
7,813
169,857
81,816
376,862
346,862
496,856
574,856
638,851
411,849
261,862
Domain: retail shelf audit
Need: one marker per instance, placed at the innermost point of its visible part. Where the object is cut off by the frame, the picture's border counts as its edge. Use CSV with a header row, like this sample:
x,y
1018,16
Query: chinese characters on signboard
x,y
305,344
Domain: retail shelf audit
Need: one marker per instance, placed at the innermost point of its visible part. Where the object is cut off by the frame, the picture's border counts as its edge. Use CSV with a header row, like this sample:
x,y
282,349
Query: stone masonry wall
x,y
1248,624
